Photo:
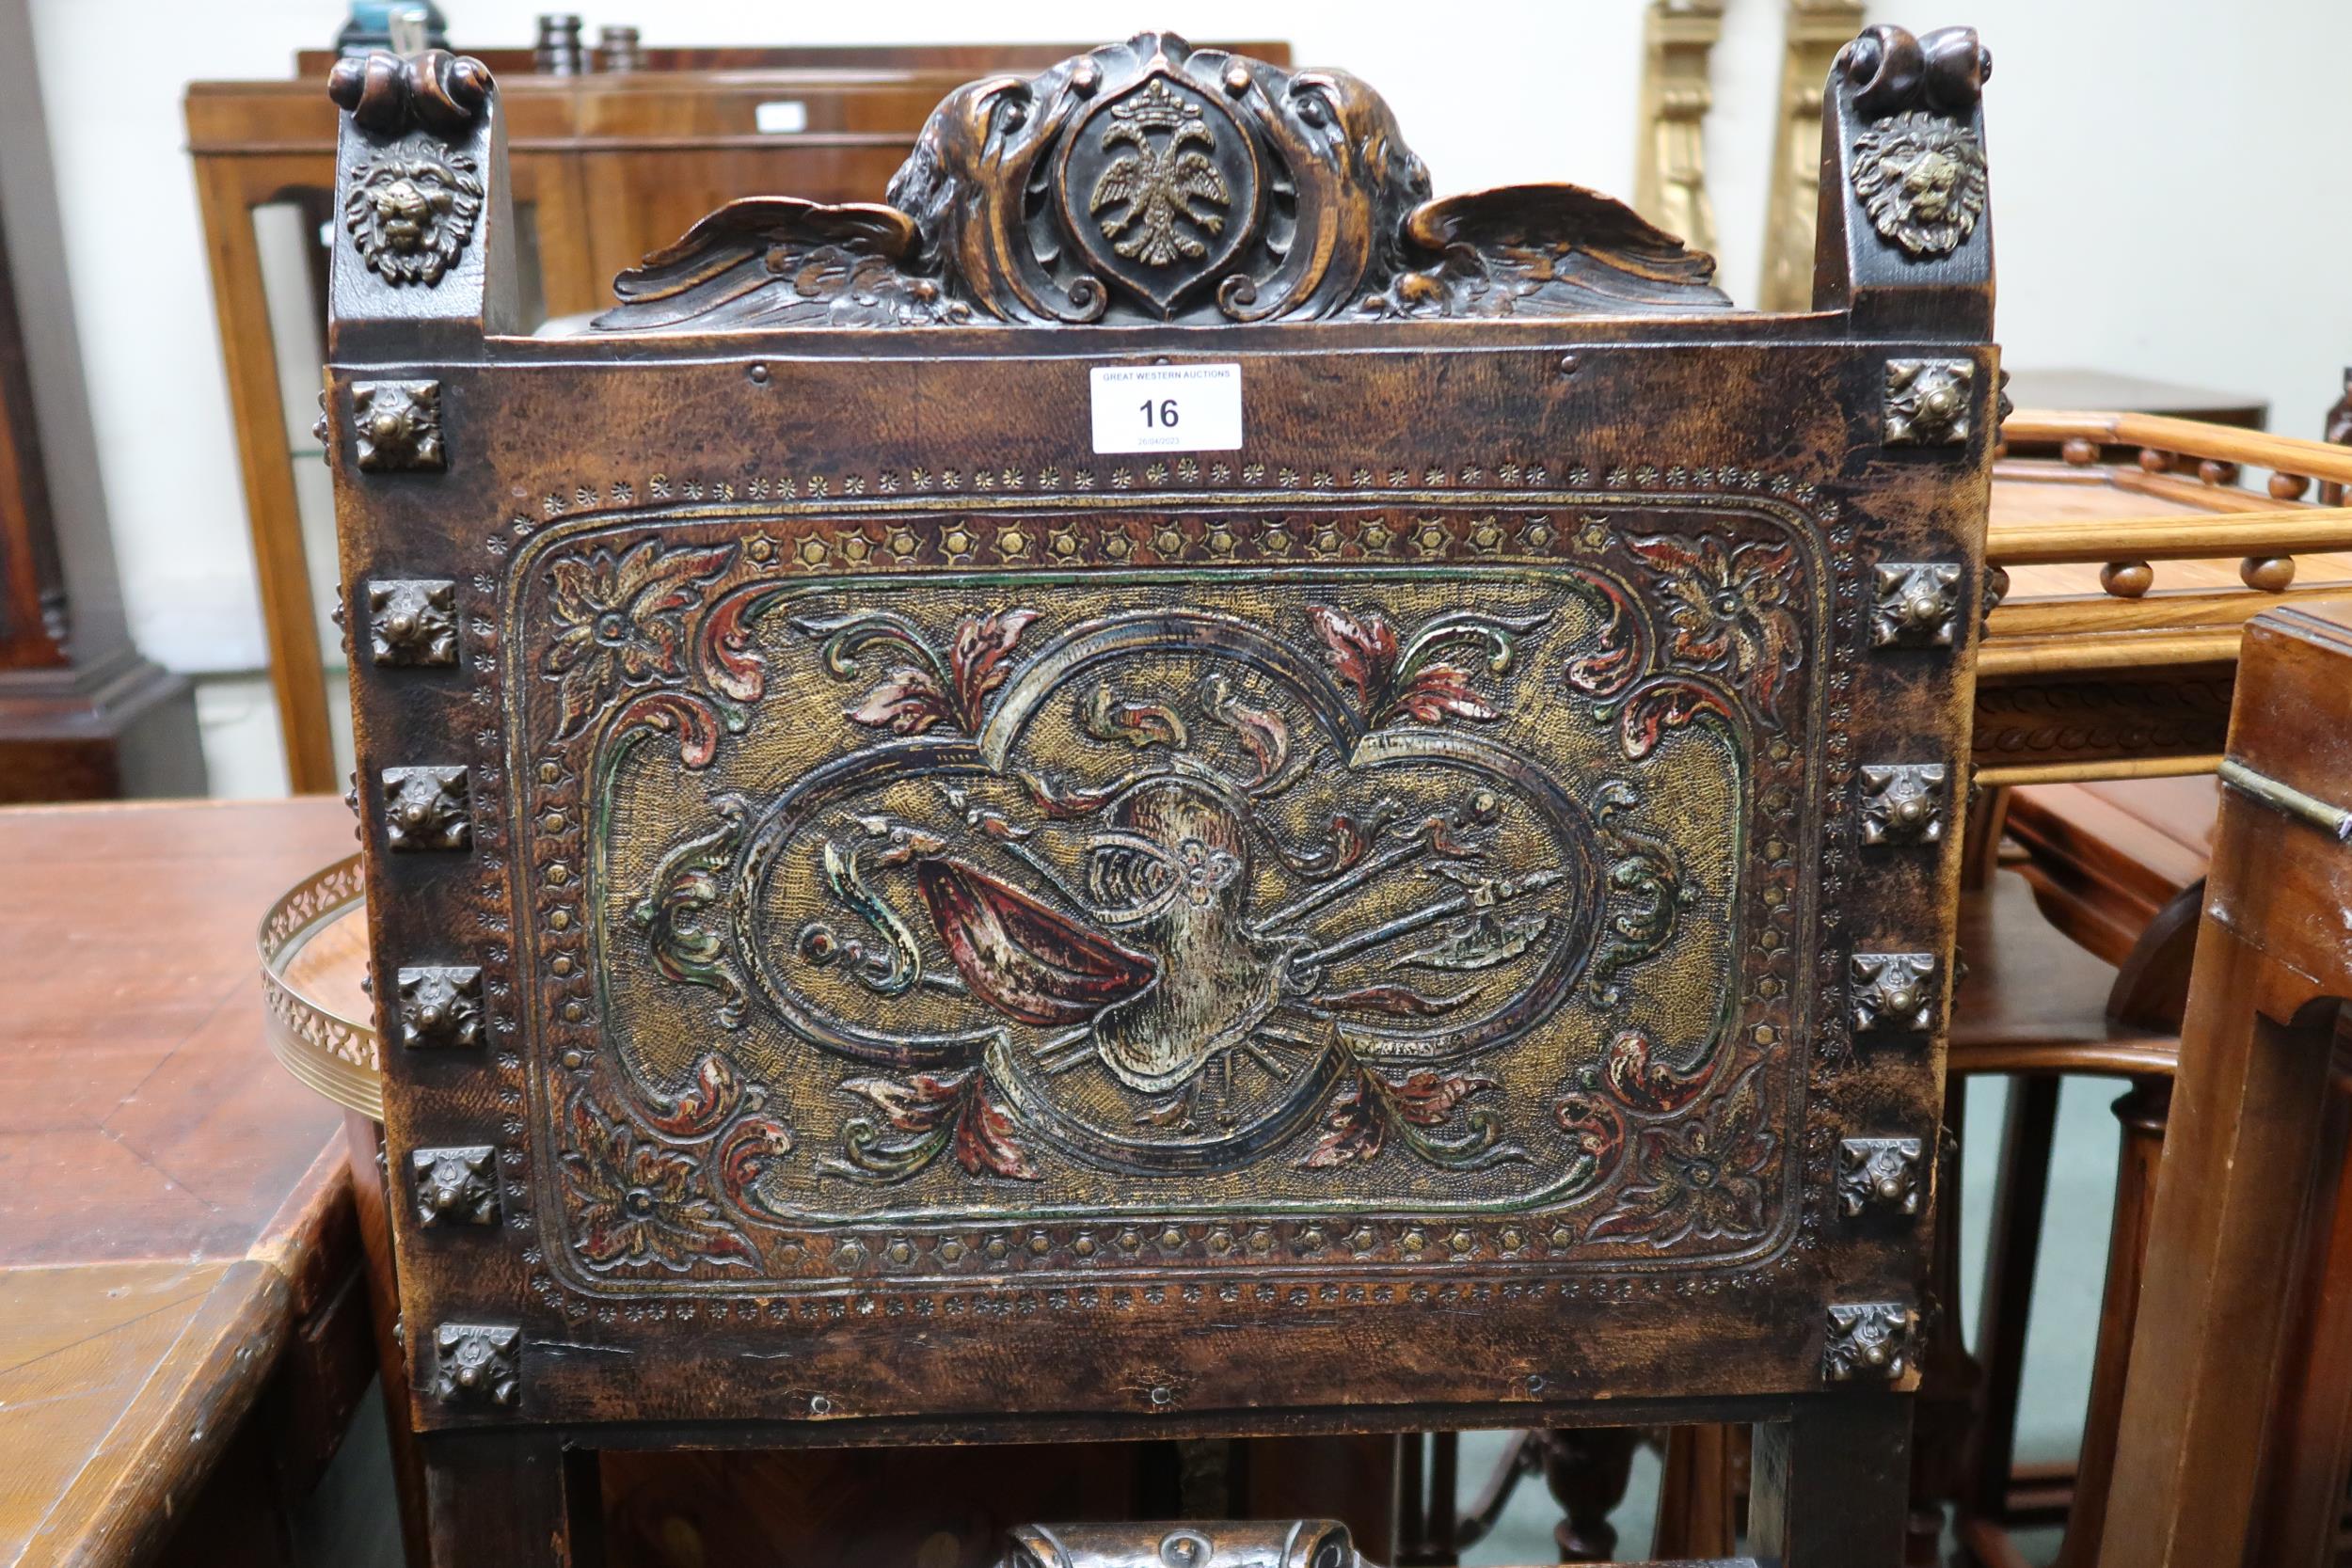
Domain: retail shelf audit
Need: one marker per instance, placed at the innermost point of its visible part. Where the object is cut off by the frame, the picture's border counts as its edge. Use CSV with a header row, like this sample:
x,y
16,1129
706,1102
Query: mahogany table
x,y
184,1322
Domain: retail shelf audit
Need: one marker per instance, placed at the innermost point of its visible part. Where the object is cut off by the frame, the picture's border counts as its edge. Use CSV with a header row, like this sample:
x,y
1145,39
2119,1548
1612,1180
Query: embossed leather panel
x,y
1151,921
1446,905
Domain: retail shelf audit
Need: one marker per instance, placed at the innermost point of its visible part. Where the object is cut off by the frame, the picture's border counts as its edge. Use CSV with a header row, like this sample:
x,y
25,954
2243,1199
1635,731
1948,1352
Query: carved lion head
x,y
411,214
1921,179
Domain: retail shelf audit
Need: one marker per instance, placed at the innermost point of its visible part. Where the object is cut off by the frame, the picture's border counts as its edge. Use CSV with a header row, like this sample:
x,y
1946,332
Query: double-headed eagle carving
x,y
1156,189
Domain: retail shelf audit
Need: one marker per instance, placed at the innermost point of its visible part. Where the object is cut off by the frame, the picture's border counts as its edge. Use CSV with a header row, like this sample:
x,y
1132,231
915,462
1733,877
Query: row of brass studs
x,y
412,623
1915,604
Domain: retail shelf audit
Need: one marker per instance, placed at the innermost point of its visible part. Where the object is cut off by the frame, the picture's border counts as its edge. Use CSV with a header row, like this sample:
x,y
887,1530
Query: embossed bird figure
x,y
1161,191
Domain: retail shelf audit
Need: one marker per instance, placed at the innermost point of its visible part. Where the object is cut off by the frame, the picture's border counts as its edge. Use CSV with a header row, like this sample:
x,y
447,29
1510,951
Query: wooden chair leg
x,y
1944,1413
510,1499
363,1145
2301,1517
1412,1499
1831,1487
1444,1514
2219,1348
1428,1520
1697,1511
2143,1110
1588,1469
2020,1193
2210,1342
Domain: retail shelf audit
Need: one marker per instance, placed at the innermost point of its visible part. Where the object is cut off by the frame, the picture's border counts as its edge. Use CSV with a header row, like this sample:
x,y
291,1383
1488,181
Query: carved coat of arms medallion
x,y
1159,186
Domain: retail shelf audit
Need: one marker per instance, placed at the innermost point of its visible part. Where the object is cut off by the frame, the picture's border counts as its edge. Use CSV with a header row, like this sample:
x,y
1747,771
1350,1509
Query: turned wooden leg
x,y
2143,1111
2020,1193
1587,1469
1444,1516
510,1499
1831,1487
1428,1523
1412,1499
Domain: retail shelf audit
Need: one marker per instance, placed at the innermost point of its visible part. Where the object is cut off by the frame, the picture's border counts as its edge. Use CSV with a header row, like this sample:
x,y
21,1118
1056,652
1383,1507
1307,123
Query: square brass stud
x,y
1902,802
440,1006
413,621
1894,992
427,808
1882,1172
397,425
1917,605
456,1186
1867,1339
1926,402
477,1363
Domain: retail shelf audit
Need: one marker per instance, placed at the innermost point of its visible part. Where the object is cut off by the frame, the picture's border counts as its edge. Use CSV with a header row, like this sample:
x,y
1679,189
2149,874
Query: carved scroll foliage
x,y
632,1203
1702,1175
434,91
1150,181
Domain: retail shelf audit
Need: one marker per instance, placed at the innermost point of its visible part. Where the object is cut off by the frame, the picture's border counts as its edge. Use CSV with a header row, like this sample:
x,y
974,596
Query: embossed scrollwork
x,y
1644,889
686,885
632,1203
1018,897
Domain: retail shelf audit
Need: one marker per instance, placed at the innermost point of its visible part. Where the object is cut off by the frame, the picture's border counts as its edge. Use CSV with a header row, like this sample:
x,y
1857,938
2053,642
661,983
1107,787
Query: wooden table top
x,y
2038,492
171,1201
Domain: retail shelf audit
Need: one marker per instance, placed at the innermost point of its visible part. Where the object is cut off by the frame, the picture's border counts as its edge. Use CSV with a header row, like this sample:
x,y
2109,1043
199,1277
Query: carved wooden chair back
x,y
1163,788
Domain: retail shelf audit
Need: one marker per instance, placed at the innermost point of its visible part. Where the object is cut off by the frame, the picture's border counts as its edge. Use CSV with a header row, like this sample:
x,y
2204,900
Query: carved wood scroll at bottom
x,y
1150,181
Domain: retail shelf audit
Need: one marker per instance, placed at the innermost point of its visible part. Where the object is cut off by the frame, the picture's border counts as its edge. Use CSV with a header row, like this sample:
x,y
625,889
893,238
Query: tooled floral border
x,y
1060,1258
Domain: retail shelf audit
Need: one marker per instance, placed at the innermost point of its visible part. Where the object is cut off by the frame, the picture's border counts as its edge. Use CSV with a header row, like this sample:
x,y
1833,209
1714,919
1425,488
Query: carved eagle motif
x,y
1158,187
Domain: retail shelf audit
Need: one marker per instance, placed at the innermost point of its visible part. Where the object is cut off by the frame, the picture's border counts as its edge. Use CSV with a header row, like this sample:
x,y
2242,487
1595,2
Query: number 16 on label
x,y
1167,408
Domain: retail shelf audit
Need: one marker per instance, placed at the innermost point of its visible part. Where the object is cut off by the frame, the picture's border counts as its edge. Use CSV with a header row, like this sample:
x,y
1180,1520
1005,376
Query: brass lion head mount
x,y
1919,166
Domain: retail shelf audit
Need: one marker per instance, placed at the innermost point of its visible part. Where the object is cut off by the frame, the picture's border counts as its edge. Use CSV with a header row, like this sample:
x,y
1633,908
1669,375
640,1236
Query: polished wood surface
x,y
607,167
2132,552
176,1231
2069,387
2207,1462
